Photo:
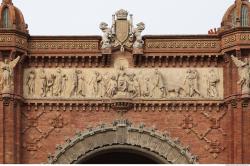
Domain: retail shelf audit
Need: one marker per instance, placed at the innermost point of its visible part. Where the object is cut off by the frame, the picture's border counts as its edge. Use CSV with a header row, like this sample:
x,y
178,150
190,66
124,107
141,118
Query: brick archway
x,y
121,134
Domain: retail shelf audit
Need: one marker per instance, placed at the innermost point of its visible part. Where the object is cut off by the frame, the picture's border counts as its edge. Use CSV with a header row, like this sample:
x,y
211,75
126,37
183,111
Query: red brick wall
x,y
165,121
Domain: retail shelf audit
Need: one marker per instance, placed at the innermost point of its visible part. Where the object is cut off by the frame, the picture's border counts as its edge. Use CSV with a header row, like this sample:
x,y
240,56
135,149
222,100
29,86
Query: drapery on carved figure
x,y
191,82
75,83
244,74
59,83
96,83
112,87
137,34
30,82
43,78
159,88
212,82
145,87
81,86
107,35
7,80
133,85
122,80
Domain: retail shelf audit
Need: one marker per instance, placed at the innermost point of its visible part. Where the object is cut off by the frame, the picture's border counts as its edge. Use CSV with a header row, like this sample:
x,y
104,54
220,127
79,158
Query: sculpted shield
x,y
122,30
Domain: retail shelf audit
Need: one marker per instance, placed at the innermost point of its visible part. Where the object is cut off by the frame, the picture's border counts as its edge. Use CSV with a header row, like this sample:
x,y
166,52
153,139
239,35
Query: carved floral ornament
x,y
123,83
121,132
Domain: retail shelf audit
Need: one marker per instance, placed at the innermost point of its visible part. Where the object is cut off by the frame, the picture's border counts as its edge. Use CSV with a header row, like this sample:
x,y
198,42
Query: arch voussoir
x,y
122,133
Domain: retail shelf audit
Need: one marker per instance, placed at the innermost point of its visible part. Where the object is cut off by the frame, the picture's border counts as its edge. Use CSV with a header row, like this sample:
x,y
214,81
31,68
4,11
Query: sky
x,y
82,17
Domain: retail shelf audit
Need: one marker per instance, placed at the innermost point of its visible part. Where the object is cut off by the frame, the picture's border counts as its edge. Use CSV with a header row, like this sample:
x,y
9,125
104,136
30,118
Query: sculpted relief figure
x,y
122,82
244,74
7,80
134,86
159,88
212,83
146,88
107,35
59,83
75,83
81,87
191,83
30,82
112,87
125,83
97,85
43,78
137,34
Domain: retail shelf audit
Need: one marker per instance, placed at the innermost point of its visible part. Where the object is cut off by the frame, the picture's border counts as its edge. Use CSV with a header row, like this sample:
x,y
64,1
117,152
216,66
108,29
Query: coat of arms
x,y
122,34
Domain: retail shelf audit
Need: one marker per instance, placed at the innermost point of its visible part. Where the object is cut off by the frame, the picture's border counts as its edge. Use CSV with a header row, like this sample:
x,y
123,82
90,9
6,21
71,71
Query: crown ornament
x,y
121,14
7,1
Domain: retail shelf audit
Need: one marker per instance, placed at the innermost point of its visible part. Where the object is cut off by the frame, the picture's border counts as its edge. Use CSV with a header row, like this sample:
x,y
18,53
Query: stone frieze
x,y
123,83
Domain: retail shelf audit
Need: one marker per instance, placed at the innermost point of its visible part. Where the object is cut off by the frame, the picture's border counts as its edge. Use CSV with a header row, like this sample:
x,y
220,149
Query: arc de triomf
x,y
123,97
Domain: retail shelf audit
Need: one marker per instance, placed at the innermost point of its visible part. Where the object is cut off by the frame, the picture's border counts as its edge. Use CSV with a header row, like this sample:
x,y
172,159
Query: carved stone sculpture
x,y
97,83
112,87
145,88
7,80
43,78
123,82
81,86
59,83
75,83
30,82
137,34
191,83
107,36
244,74
133,86
212,83
159,88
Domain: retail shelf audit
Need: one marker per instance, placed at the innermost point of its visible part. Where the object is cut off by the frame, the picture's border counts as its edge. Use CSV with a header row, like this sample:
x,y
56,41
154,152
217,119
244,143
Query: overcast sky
x,y
82,17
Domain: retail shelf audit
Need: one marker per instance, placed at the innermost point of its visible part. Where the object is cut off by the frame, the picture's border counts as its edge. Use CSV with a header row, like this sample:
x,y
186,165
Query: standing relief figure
x,y
191,83
43,78
107,35
212,83
96,83
244,74
159,88
145,87
137,34
112,87
30,82
59,83
81,86
7,80
75,83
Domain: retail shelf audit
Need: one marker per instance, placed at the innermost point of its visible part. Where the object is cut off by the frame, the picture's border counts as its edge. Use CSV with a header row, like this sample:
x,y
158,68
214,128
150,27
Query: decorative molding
x,y
60,46
13,40
121,132
134,105
235,39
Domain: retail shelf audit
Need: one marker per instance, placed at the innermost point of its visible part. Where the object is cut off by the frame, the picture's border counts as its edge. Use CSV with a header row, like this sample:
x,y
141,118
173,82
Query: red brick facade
x,y
217,131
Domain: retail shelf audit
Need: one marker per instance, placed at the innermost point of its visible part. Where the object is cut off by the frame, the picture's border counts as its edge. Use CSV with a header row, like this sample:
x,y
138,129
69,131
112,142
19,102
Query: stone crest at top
x,y
122,33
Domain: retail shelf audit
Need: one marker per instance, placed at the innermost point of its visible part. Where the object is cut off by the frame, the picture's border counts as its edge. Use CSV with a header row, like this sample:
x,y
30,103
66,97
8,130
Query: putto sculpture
x,y
122,34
